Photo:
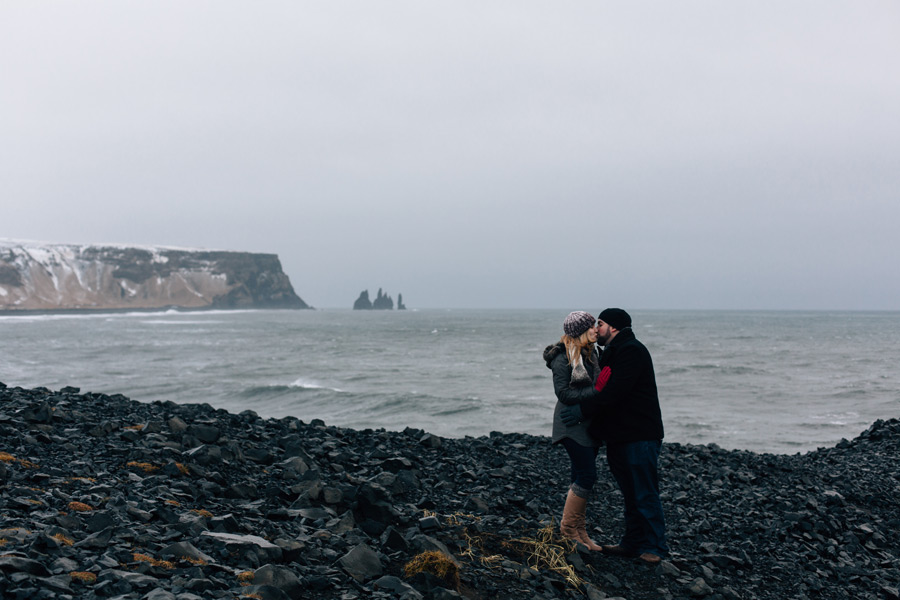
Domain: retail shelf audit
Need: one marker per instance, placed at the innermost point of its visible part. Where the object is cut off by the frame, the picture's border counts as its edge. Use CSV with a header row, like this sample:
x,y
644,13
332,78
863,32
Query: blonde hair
x,y
574,347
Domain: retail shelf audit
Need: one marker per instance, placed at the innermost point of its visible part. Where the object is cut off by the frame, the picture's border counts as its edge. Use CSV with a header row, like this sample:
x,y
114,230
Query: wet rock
x,y
16,564
362,563
397,586
264,549
281,578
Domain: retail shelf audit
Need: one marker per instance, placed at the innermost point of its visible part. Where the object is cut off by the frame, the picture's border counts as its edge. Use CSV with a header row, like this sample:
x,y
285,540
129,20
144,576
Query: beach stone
x,y
16,564
177,425
133,580
362,563
281,578
158,594
241,490
439,593
200,585
265,592
266,550
431,441
393,540
294,466
332,495
205,455
208,434
185,550
101,520
397,586
262,456
699,588
224,524
342,525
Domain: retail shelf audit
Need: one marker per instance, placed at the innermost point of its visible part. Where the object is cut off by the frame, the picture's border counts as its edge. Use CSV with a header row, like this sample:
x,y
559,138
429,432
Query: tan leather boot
x,y
572,524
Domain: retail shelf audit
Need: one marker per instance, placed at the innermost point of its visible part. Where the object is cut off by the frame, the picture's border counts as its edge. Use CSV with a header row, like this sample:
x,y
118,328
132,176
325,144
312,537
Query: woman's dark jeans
x,y
634,465
584,466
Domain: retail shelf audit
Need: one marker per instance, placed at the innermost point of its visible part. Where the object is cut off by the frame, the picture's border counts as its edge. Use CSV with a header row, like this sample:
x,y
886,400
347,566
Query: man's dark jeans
x,y
634,465
584,466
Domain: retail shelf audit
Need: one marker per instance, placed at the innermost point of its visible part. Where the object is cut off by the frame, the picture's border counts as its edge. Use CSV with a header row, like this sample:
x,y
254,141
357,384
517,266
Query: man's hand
x,y
571,415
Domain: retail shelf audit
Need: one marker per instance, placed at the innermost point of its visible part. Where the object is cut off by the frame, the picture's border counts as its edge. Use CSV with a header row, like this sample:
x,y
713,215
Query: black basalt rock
x,y
165,500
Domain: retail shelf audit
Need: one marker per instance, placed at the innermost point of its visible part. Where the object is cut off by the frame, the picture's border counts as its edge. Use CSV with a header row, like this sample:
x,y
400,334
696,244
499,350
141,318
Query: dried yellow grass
x,y
458,517
143,466
83,576
436,563
80,480
195,561
9,458
149,559
546,552
183,469
202,512
65,541
246,577
80,507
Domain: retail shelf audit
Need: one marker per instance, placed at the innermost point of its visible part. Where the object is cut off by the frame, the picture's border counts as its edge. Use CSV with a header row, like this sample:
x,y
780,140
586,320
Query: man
x,y
630,422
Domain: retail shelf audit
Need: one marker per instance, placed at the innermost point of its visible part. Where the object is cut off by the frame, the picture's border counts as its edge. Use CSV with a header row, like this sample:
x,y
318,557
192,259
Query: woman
x,y
574,362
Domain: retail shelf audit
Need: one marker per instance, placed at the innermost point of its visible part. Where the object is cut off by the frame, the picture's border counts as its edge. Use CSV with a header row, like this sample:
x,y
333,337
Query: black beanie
x,y
616,318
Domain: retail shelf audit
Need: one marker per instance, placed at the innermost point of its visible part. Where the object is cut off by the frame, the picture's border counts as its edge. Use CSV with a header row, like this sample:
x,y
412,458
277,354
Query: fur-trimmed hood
x,y
552,351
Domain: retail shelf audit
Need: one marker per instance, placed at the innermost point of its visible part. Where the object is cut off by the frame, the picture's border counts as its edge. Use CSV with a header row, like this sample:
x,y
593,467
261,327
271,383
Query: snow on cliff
x,y
38,276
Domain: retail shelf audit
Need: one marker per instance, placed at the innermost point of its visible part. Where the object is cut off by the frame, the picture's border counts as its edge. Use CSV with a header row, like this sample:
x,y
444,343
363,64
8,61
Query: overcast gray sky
x,y
741,154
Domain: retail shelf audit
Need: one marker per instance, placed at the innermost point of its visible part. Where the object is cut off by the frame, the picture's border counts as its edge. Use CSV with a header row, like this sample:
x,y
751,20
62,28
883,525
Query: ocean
x,y
767,381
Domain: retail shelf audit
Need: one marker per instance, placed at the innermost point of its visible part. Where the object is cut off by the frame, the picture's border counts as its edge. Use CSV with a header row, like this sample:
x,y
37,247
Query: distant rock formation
x,y
40,277
382,302
363,302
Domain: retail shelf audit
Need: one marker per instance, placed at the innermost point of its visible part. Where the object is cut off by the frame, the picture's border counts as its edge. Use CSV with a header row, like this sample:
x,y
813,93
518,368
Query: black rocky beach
x,y
105,497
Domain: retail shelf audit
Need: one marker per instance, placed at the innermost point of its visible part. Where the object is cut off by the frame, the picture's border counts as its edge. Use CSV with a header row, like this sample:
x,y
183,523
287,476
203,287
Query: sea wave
x,y
179,322
710,367
114,316
297,385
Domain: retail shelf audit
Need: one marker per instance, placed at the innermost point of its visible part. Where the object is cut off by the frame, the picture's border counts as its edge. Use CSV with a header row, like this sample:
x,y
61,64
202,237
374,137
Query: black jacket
x,y
627,409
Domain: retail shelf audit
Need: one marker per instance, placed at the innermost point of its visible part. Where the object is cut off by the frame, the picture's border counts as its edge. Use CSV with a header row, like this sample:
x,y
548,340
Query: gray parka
x,y
568,394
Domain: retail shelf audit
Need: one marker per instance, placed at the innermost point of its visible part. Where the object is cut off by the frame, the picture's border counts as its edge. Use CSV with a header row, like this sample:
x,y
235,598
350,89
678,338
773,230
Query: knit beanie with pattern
x,y
577,323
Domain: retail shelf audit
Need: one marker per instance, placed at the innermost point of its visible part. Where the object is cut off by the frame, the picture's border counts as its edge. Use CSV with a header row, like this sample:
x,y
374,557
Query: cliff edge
x,y
51,277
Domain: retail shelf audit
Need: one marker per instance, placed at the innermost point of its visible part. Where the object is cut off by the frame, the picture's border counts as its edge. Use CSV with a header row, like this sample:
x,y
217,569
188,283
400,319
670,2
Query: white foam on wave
x,y
307,384
164,322
110,316
844,418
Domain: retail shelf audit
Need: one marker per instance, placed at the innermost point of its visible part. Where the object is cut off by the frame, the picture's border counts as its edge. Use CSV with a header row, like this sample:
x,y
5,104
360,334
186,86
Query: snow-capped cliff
x,y
69,277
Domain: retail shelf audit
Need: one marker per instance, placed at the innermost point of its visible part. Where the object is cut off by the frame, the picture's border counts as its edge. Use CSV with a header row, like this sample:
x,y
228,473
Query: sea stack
x,y
382,301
